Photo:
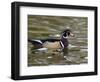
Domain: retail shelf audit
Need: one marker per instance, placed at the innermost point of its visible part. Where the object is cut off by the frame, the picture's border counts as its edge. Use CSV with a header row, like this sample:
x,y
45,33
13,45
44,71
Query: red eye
x,y
68,33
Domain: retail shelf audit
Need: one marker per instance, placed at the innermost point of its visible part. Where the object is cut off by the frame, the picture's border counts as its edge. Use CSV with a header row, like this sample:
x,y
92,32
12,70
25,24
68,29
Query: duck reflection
x,y
65,52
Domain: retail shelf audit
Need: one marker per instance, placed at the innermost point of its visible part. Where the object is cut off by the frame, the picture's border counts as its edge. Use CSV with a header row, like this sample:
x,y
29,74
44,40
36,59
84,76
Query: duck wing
x,y
42,41
49,40
35,41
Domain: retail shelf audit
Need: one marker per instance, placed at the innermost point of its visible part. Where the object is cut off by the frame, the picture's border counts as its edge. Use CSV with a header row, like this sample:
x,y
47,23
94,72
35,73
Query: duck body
x,y
46,43
52,43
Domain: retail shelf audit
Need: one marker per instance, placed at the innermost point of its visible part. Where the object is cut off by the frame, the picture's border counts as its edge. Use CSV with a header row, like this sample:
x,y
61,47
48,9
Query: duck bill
x,y
72,34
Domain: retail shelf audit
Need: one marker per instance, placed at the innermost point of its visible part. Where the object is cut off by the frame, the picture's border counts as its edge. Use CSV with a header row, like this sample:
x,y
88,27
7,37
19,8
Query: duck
x,y
53,43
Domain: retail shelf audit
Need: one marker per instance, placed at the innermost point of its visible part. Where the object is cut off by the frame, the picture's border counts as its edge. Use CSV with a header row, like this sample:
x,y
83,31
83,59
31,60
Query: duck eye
x,y
68,33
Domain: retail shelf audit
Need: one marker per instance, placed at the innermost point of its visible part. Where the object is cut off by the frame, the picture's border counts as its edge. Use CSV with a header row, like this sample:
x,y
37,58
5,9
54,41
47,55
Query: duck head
x,y
64,37
67,33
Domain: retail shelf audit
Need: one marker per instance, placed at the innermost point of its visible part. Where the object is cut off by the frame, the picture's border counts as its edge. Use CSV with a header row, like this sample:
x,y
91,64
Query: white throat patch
x,y
65,37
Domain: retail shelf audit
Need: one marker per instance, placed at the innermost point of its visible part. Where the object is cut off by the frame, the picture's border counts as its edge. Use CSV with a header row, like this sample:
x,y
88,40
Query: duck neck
x,y
64,42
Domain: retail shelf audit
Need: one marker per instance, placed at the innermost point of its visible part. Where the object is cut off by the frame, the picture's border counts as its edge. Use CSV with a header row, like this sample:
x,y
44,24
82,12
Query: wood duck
x,y
53,43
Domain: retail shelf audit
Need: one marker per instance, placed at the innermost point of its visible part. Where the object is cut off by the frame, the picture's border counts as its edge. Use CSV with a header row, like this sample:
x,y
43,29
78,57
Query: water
x,y
42,27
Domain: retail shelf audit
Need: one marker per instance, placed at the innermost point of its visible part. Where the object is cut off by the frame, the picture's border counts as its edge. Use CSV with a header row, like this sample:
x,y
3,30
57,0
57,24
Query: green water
x,y
42,27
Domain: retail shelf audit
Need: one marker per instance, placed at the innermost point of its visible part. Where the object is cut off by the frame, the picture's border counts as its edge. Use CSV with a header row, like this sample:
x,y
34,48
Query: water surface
x,y
42,27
